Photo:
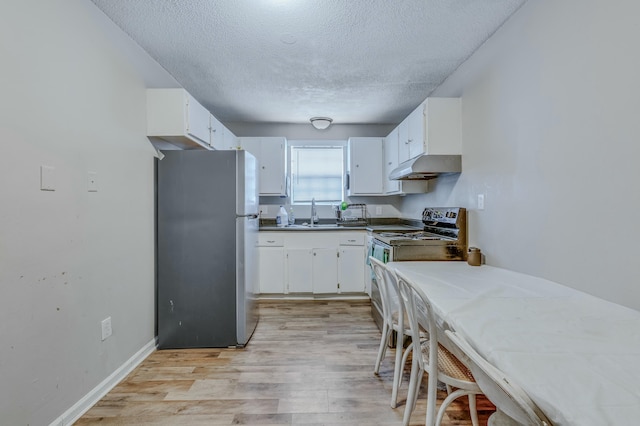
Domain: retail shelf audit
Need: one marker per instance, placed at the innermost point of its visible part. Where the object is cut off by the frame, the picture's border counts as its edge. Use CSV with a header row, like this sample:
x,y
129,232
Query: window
x,y
316,172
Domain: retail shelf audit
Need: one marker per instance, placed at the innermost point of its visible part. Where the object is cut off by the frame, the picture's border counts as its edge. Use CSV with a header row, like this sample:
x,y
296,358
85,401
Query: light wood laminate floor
x,y
309,363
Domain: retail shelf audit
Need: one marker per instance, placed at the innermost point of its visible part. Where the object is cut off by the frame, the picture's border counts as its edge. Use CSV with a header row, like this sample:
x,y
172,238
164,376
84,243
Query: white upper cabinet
x,y
416,126
271,155
443,126
398,187
434,127
198,122
391,162
176,117
365,166
403,141
217,134
411,135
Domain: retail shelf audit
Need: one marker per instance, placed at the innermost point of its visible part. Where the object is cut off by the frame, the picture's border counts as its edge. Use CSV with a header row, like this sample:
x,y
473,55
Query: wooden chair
x,y
514,407
432,358
393,320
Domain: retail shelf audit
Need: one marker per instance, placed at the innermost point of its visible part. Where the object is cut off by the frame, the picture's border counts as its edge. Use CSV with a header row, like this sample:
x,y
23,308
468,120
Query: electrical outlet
x,y
107,331
480,201
378,210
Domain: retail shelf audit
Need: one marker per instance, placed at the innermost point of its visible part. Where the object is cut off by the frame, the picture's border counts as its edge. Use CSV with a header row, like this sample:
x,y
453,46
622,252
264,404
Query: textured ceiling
x,y
357,61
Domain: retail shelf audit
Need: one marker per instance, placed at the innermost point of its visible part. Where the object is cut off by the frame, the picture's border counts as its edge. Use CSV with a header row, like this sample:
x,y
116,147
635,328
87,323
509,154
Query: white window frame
x,y
319,143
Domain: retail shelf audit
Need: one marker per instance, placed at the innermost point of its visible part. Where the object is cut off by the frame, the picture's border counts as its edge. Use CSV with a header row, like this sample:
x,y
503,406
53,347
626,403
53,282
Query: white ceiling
x,y
284,61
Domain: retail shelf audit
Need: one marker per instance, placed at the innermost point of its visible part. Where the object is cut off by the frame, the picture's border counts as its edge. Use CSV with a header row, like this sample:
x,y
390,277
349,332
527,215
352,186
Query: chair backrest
x,y
421,318
502,391
386,280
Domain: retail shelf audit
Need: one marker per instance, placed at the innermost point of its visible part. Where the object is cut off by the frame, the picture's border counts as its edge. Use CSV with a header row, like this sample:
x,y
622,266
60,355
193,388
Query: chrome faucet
x,y
314,213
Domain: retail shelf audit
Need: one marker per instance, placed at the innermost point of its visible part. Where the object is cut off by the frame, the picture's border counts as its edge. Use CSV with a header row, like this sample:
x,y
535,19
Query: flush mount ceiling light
x,y
321,123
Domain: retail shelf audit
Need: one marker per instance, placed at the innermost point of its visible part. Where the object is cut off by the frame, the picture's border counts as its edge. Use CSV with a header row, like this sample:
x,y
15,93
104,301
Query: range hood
x,y
425,167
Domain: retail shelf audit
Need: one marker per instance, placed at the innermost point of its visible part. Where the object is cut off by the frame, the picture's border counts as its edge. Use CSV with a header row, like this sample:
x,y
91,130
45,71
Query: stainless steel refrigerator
x,y
207,218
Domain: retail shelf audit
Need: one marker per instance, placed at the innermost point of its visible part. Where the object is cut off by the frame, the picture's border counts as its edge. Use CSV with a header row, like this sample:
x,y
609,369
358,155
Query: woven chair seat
x,y
449,364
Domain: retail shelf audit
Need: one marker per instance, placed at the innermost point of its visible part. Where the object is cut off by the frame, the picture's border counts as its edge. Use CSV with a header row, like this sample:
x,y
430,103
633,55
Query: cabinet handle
x,y
271,241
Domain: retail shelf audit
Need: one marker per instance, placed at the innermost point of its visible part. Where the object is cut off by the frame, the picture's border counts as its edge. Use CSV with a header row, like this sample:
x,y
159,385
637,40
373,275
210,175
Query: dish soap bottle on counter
x,y
292,218
282,219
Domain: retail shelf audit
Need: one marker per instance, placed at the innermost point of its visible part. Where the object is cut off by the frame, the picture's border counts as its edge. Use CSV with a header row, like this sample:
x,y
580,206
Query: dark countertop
x,y
374,225
306,228
395,227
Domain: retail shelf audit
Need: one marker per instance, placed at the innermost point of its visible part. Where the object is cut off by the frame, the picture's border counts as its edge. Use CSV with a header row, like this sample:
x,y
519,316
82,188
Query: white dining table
x,y
577,356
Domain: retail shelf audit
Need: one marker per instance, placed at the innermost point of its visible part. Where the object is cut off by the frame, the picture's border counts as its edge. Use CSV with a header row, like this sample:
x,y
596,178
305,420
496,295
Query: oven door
x,y
384,253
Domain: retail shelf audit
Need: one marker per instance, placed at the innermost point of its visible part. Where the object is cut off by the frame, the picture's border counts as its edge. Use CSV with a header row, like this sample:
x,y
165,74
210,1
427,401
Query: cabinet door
x,y
272,166
390,162
443,131
271,269
365,166
217,134
325,271
299,264
416,128
198,121
403,141
351,268
177,118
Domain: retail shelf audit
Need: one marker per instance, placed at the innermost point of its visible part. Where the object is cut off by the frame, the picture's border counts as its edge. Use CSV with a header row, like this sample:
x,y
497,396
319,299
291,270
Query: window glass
x,y
316,172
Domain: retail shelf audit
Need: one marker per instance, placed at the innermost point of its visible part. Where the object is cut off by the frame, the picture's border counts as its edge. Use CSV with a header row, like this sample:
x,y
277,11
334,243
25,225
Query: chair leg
x,y
432,394
473,410
412,395
449,399
386,331
397,371
405,356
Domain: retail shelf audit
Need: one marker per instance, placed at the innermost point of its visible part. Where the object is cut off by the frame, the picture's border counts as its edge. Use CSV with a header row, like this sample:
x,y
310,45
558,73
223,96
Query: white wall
x,y
69,258
551,137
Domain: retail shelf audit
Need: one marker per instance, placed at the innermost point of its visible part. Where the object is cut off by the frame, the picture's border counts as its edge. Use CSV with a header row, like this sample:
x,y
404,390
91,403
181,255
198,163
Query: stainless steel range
x,y
444,237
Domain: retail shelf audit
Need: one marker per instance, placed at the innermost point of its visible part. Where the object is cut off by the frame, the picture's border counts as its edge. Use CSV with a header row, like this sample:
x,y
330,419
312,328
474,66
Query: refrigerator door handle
x,y
250,216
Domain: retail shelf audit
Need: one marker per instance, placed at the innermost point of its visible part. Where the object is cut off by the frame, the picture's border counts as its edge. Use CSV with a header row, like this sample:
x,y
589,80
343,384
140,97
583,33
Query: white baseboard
x,y
89,400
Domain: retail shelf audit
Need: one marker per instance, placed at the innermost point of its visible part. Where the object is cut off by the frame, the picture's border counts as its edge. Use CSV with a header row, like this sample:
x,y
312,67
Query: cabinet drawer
x,y
352,240
270,240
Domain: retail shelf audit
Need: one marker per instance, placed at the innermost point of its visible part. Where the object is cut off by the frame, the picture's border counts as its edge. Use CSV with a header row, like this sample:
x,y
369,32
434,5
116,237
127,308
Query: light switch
x,y
92,182
47,178
480,201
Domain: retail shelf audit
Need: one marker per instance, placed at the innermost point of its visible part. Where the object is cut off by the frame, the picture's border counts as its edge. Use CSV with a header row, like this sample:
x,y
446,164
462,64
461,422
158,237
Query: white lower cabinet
x,y
271,263
299,266
318,262
324,271
271,269
351,269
